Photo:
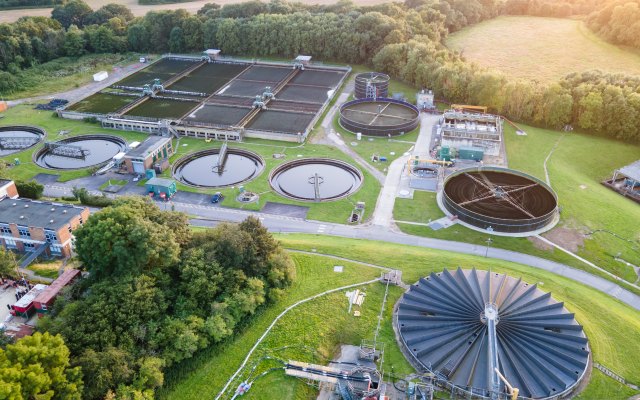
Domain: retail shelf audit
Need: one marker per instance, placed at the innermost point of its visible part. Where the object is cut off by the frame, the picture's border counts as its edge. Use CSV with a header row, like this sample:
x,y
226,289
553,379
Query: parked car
x,y
217,198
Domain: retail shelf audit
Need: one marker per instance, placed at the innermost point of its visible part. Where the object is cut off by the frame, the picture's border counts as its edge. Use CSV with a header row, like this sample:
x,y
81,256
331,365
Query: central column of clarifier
x,y
491,318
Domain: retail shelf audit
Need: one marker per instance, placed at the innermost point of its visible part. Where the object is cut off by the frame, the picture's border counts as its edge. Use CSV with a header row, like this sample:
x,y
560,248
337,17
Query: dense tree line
x,y
403,39
9,4
158,293
551,8
618,22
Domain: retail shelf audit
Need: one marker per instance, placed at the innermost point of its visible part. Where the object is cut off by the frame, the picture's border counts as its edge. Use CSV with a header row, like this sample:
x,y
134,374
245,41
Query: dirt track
x,y
139,10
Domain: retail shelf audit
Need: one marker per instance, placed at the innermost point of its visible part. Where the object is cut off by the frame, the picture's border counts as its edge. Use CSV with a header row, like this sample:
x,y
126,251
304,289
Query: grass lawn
x,y
47,269
542,49
576,168
606,222
612,327
381,146
117,182
65,74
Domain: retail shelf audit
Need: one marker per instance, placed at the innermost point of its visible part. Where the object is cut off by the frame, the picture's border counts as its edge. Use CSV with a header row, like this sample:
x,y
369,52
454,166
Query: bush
x,y
90,200
29,189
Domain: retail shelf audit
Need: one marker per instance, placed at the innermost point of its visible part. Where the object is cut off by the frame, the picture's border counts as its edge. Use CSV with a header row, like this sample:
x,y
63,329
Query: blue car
x,y
217,198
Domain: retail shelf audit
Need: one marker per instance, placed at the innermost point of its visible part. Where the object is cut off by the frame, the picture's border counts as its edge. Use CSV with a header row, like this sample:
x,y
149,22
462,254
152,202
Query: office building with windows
x,y
36,226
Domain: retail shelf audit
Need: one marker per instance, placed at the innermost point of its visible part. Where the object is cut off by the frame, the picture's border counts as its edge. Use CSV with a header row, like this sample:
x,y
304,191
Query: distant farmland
x,y
541,48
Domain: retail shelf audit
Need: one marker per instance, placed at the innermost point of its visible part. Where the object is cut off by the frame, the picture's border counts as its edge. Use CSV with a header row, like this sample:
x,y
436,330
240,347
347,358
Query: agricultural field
x,y
515,46
610,325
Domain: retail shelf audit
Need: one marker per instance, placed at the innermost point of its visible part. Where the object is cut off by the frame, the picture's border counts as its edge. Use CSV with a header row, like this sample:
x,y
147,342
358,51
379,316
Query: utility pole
x,y
489,241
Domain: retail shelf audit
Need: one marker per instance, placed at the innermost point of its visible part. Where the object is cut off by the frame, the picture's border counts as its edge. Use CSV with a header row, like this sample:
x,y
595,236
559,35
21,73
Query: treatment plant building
x,y
39,227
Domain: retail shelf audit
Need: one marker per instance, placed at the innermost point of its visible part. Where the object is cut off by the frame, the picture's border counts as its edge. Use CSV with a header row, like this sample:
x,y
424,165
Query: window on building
x,y
50,236
81,221
10,243
55,249
43,307
5,229
70,230
29,246
24,232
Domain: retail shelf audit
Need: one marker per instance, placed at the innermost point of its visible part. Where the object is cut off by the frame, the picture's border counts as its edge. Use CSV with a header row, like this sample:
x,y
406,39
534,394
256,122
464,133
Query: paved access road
x,y
211,216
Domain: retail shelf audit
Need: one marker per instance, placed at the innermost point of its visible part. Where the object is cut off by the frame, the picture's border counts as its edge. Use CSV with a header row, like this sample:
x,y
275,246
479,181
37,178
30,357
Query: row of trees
x,y
7,4
404,40
158,293
618,22
551,8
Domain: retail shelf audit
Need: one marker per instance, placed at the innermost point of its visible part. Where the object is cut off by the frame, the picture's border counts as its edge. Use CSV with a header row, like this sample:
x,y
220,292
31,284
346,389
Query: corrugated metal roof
x,y
632,170
52,291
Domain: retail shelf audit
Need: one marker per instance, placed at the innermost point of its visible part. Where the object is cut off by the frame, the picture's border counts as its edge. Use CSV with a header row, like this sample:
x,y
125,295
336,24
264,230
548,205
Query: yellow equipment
x,y
512,391
467,108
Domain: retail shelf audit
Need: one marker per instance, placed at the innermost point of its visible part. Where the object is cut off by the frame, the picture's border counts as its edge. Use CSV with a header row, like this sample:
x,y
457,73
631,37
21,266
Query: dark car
x,y
217,198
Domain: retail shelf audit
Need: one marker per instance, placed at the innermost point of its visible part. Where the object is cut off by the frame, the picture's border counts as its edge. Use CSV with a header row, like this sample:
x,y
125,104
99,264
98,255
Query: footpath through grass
x,y
576,169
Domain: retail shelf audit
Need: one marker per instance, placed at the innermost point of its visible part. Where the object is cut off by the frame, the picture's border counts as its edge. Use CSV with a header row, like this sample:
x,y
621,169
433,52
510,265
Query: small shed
x,y
304,60
212,54
161,187
100,76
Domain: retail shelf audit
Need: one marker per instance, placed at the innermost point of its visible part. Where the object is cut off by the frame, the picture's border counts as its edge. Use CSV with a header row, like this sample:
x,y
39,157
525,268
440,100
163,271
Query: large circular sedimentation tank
x,y
379,82
444,325
14,139
201,169
500,199
315,179
379,117
79,151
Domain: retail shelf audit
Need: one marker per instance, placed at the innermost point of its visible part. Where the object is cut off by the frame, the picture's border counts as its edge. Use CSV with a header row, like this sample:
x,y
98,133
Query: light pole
x,y
489,241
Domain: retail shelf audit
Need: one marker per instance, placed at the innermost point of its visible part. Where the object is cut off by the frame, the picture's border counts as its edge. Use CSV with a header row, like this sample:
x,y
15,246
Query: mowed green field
x,y
315,329
608,221
542,49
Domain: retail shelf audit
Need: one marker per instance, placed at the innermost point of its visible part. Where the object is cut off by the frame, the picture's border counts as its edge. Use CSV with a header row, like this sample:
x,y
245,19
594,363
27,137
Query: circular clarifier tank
x,y
316,179
79,152
201,169
14,139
